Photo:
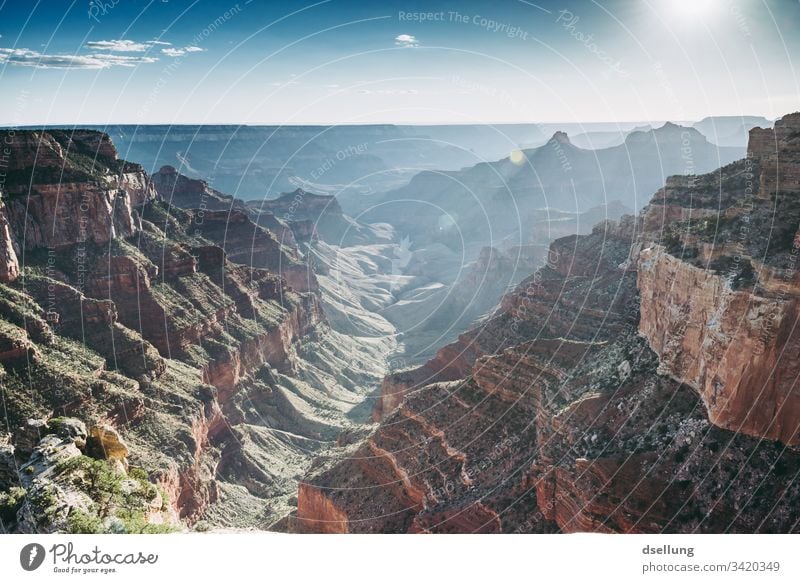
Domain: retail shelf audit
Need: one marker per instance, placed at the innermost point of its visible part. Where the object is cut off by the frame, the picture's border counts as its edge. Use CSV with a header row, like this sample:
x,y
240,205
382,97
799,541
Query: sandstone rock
x,y
553,417
732,346
726,324
105,442
52,197
26,437
9,265
69,428
778,152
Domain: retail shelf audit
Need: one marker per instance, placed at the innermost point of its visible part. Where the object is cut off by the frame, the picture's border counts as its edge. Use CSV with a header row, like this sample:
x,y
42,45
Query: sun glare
x,y
693,8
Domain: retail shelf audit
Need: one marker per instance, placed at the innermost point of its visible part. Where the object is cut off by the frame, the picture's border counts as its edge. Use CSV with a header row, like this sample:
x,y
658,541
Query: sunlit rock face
x,y
193,338
65,187
720,288
777,150
9,264
639,382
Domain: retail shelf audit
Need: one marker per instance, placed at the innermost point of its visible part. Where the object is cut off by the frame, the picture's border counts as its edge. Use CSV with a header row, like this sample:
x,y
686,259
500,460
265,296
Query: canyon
x,y
329,361
642,381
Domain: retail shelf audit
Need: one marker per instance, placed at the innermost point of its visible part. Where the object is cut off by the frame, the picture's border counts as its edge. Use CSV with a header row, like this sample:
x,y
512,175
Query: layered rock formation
x,y
190,193
720,291
249,237
133,317
777,151
68,187
9,264
642,381
310,214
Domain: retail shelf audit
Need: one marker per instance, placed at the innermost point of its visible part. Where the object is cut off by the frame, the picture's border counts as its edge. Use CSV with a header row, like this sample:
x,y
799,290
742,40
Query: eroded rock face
x,y
457,452
778,152
736,348
160,326
68,187
9,264
550,302
556,415
106,443
250,244
190,193
720,288
311,215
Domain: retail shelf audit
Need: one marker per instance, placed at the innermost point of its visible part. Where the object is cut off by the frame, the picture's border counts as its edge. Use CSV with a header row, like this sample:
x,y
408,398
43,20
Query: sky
x,y
389,61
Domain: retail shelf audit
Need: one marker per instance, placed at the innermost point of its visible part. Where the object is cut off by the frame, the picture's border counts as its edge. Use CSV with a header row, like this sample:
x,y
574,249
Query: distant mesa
x,y
185,192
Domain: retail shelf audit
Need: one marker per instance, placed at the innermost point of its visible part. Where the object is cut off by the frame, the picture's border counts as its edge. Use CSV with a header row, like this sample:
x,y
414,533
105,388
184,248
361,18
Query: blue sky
x,y
345,61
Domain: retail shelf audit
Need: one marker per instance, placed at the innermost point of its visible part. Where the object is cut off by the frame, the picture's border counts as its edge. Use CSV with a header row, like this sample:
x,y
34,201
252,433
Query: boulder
x,y
105,442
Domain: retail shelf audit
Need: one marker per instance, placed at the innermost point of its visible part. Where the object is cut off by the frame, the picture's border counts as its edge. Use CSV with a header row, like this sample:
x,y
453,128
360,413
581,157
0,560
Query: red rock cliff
x,y
720,292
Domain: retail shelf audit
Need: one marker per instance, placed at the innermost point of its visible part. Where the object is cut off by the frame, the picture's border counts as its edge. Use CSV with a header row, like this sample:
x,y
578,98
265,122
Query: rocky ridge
x,y
192,334
628,386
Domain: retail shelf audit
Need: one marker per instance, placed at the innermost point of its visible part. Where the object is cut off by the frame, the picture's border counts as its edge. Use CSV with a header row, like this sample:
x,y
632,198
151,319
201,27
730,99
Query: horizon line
x,y
401,124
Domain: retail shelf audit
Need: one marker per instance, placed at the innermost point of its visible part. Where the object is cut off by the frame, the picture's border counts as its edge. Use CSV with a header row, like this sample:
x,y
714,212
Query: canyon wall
x,y
720,296
143,318
642,381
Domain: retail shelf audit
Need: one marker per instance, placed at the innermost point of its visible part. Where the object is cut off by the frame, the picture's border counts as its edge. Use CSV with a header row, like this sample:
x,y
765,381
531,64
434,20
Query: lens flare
x,y
517,157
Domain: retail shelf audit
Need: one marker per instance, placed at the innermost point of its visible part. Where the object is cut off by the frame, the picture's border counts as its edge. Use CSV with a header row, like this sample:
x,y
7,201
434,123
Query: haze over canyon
x,y
384,328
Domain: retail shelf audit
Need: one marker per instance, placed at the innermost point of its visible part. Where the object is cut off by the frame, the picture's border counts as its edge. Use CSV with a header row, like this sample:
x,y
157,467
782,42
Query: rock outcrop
x,y
777,150
107,443
310,215
720,290
68,187
60,485
642,381
131,315
190,193
9,264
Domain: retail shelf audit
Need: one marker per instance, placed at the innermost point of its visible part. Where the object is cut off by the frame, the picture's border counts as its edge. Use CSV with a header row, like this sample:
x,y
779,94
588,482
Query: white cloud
x,y
179,52
406,40
173,52
30,58
119,46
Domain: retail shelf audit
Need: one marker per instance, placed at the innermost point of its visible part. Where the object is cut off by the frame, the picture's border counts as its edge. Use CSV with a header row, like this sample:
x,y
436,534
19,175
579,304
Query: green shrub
x,y
79,522
113,498
10,503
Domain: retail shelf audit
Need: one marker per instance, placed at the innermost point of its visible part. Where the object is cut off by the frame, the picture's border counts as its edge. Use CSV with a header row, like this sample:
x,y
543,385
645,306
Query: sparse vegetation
x,y
10,503
120,502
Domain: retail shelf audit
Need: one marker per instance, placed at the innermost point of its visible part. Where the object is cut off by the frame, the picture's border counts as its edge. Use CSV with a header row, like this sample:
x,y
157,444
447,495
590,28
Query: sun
x,y
693,8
